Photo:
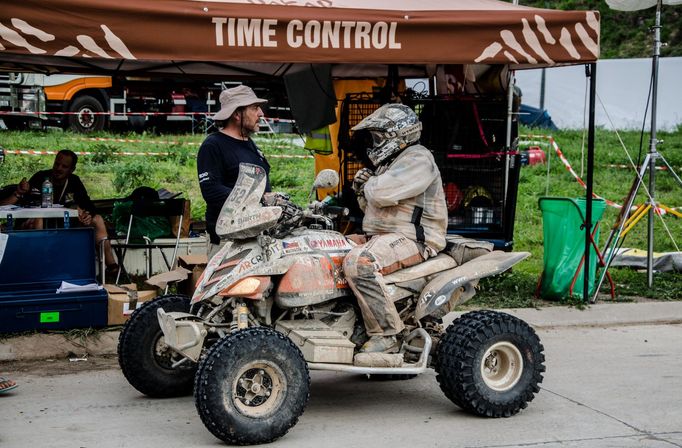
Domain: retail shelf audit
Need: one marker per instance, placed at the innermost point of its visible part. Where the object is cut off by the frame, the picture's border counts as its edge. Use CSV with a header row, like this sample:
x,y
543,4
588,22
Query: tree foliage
x,y
626,34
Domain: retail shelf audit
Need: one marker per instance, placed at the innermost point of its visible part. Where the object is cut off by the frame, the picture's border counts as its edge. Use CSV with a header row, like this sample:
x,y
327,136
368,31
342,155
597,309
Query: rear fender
x,y
455,286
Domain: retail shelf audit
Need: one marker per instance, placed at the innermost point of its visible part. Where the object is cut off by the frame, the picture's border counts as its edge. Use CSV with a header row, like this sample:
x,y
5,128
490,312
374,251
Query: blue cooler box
x,y
34,264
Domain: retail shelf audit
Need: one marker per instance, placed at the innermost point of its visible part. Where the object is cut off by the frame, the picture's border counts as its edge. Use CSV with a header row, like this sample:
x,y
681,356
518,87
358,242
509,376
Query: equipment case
x,y
34,264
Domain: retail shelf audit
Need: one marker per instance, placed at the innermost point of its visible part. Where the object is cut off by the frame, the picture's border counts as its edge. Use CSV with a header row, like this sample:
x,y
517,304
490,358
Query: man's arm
x,y
80,195
15,196
408,177
211,176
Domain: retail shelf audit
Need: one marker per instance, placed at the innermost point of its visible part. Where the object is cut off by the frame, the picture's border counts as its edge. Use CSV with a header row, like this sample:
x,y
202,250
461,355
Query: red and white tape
x,y
47,152
555,146
125,114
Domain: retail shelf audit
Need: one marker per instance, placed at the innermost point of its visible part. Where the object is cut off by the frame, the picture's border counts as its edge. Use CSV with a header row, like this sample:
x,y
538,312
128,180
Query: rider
x,y
405,217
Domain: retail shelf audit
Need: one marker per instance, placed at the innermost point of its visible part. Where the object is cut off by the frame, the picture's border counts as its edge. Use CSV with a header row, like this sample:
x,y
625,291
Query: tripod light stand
x,y
649,163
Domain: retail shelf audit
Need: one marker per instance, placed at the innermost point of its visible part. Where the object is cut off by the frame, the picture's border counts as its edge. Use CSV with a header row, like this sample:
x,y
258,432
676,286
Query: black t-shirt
x,y
218,168
71,194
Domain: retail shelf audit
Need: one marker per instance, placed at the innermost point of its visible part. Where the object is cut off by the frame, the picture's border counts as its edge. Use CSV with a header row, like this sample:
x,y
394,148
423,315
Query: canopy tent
x,y
242,37
359,38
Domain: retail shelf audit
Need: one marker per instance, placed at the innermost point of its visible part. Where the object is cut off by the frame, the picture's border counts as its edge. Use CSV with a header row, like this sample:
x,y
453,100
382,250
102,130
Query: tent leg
x,y
591,71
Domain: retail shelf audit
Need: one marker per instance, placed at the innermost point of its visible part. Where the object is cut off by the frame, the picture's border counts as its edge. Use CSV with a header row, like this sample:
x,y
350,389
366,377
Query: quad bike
x,y
273,304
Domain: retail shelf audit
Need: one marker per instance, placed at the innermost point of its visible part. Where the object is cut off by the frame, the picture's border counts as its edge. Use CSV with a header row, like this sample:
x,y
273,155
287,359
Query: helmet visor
x,y
378,138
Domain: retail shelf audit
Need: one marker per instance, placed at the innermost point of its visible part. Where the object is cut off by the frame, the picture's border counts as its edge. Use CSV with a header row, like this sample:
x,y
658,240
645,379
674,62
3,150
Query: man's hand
x,y
359,180
84,217
23,187
275,198
357,238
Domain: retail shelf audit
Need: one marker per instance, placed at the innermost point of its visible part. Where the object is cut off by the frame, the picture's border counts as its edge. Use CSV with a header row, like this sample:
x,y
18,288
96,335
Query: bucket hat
x,y
231,99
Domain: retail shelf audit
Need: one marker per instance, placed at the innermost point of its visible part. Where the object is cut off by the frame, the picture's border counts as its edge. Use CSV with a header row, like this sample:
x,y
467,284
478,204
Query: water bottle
x,y
46,194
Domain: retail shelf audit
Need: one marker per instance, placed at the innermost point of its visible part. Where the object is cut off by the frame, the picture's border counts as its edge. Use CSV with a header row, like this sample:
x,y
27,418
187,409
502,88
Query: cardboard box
x,y
123,300
196,264
187,217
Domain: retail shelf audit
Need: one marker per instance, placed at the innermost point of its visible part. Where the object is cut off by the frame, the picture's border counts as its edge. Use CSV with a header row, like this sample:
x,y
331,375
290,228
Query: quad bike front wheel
x,y
252,386
145,359
490,363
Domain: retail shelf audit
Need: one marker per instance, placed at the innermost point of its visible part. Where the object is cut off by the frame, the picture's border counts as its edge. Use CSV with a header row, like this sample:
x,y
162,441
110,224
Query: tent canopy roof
x,y
268,37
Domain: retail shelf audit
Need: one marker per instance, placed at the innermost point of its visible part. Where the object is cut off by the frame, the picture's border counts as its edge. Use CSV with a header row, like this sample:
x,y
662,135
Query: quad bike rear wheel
x,y
490,363
252,386
145,359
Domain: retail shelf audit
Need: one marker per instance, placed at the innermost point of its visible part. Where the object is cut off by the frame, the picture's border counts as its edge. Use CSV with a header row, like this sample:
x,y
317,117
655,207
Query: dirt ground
x,y
54,367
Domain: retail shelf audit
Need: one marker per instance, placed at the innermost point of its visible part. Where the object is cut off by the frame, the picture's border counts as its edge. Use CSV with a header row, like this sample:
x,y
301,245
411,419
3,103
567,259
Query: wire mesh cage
x,y
467,136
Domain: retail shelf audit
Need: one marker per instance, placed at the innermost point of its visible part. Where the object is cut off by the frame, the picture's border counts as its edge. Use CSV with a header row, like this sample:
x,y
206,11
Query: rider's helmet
x,y
393,127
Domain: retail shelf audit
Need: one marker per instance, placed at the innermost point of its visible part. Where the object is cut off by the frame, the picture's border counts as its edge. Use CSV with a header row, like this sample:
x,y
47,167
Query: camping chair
x,y
139,210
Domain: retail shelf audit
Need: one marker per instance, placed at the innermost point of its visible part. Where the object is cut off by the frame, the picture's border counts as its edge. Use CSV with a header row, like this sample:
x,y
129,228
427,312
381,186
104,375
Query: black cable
x,y
619,245
646,111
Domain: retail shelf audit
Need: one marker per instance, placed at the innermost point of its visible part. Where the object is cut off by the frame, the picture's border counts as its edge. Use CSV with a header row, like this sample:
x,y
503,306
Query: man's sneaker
x,y
380,344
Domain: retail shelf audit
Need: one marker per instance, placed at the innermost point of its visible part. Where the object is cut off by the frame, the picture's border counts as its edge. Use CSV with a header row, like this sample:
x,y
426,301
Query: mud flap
x,y
455,286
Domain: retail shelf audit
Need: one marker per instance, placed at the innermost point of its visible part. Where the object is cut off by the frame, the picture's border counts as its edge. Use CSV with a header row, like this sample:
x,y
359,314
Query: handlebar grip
x,y
336,210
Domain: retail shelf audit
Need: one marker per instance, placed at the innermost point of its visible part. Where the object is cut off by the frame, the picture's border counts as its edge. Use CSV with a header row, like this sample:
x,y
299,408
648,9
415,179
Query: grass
x,y
106,175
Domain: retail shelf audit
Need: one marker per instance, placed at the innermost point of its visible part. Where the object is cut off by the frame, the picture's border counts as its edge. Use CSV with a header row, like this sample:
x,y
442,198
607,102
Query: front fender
x,y
455,286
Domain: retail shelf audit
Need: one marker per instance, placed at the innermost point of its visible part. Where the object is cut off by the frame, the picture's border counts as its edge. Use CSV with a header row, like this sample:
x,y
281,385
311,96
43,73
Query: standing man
x,y
221,152
405,217
69,191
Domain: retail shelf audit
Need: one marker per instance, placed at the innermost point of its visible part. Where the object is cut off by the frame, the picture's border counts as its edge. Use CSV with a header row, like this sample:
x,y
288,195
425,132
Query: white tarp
x,y
622,86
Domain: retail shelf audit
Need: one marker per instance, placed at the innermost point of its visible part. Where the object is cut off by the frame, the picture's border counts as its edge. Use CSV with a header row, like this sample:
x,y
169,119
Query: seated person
x,y
68,190
12,196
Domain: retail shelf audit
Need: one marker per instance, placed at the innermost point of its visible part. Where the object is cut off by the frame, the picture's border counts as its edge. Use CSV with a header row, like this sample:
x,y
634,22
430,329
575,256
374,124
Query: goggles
x,y
378,138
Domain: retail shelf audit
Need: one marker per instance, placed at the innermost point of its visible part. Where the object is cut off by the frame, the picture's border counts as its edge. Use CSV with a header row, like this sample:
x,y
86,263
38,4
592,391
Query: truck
x,y
87,103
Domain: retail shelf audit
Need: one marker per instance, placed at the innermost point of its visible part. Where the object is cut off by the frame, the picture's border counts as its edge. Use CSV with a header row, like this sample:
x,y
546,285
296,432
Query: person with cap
x,y
221,152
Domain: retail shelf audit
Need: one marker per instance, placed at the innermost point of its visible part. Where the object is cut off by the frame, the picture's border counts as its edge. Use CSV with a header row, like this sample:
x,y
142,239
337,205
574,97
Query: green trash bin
x,y
564,245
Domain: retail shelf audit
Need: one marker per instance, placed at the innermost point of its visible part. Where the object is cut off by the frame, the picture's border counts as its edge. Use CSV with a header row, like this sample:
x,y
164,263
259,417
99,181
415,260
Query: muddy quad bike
x,y
273,303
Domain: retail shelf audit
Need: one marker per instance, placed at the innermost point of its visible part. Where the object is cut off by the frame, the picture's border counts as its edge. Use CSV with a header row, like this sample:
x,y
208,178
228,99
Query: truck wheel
x,y
252,386
85,120
15,123
490,363
145,359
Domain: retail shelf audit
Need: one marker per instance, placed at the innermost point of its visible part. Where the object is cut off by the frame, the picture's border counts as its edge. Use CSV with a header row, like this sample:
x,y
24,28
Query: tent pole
x,y
507,141
591,71
652,148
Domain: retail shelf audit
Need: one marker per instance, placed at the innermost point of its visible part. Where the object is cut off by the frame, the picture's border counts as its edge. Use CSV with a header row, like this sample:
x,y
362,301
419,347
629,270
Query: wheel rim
x,y
501,366
86,117
258,389
164,356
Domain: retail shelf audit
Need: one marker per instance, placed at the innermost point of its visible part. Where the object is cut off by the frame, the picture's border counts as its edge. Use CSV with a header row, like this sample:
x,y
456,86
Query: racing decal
x,y
250,263
294,246
329,243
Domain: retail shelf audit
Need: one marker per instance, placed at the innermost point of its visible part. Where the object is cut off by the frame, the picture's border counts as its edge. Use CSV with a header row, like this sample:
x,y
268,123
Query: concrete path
x,y
44,346
611,381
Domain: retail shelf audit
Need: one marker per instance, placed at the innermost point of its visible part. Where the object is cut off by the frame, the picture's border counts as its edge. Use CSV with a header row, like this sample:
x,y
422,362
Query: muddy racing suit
x,y
406,218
